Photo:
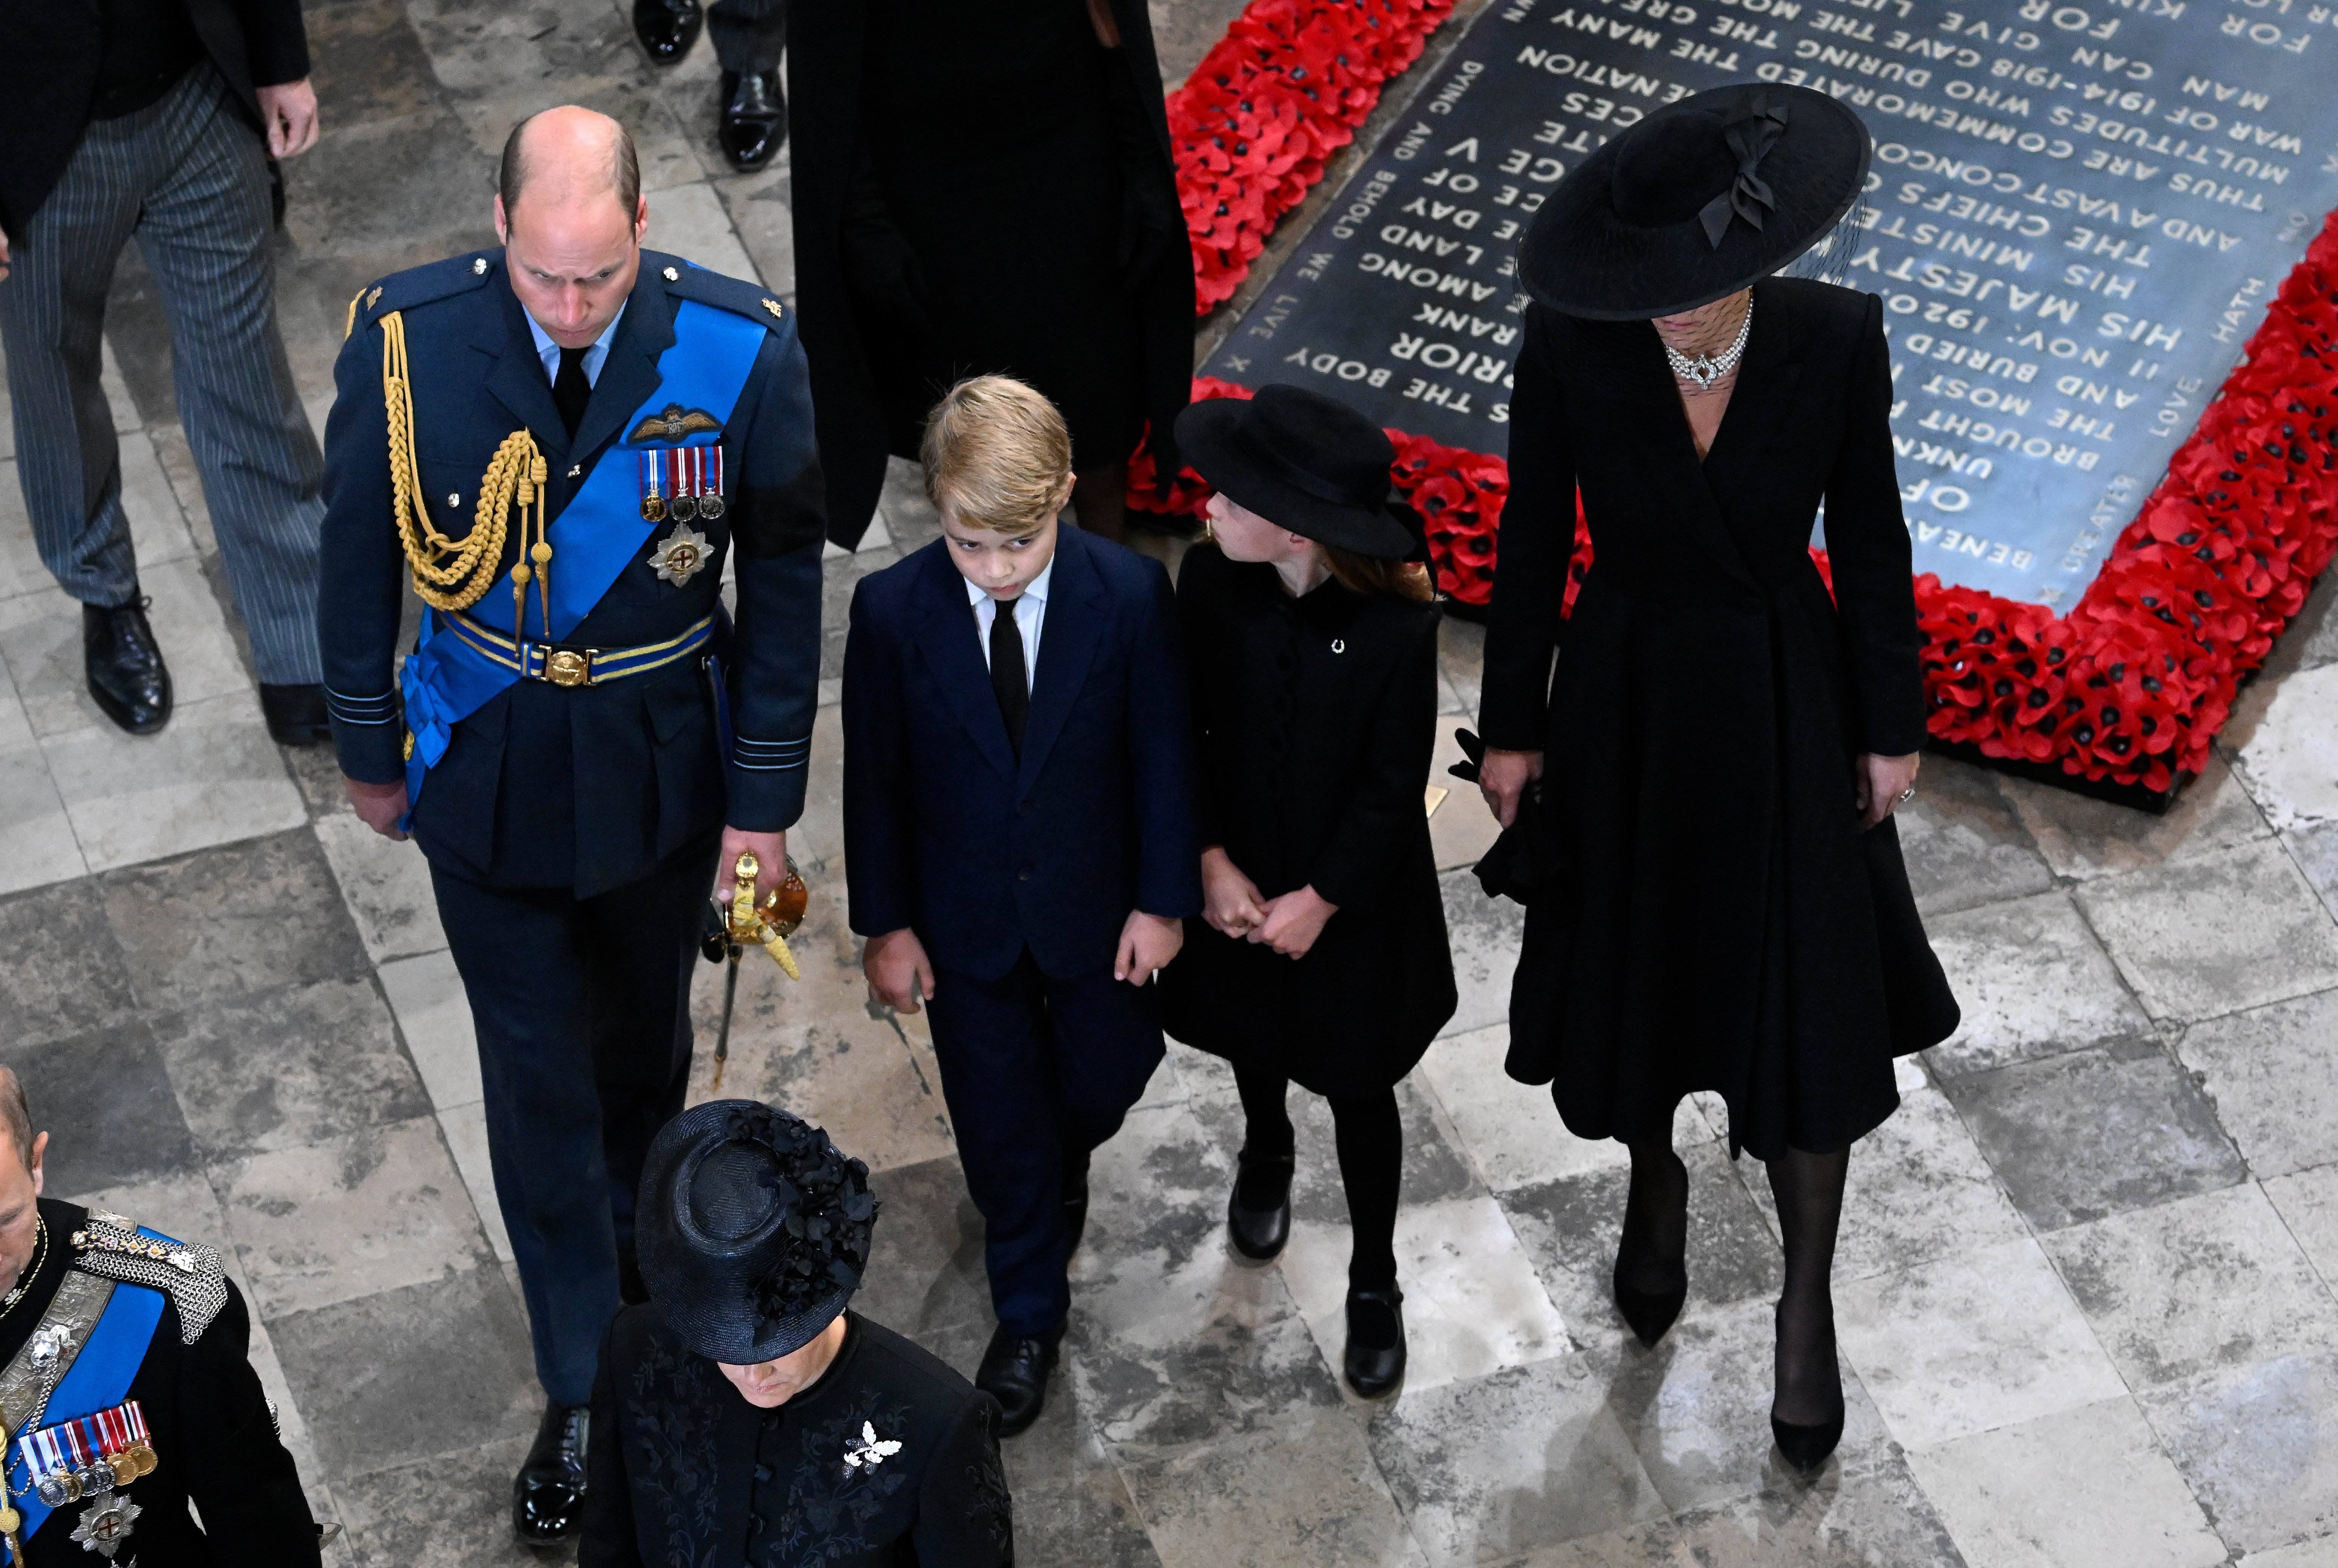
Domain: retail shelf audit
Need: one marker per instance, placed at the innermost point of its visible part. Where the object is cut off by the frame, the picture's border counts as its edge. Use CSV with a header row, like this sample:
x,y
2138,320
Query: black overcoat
x,y
862,365
1314,718
1728,926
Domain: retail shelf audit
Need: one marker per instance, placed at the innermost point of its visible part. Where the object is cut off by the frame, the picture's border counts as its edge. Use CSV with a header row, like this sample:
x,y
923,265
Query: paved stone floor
x,y
2085,1284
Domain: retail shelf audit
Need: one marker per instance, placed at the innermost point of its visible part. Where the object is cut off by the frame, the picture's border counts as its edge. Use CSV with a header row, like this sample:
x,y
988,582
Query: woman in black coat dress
x,y
1725,743
1312,645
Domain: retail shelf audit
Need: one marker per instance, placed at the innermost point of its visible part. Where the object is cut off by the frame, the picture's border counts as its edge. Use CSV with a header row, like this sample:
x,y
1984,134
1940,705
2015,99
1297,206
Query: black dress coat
x,y
1314,718
1728,927
983,189
683,1472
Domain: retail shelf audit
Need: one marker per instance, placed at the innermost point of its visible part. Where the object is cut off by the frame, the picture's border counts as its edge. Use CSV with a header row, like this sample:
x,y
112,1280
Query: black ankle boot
x,y
1650,1311
1258,1213
1375,1356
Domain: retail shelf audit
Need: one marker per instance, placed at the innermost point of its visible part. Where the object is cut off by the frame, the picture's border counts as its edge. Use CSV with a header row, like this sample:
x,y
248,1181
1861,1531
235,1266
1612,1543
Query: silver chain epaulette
x,y
192,1275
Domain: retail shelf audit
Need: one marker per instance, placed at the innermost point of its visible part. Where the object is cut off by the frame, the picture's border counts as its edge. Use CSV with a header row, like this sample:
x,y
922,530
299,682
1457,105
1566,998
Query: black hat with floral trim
x,y
1701,198
753,1230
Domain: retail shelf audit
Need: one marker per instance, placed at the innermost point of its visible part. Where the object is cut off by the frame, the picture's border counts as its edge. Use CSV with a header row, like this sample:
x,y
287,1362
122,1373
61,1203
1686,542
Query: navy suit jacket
x,y
984,856
587,788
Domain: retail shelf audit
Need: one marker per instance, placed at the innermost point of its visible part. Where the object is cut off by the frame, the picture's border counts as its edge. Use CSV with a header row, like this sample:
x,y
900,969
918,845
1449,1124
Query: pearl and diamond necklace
x,y
1705,369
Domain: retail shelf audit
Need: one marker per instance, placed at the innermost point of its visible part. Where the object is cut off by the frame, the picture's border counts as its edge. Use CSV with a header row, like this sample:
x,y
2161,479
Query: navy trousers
x,y
582,1008
1037,1072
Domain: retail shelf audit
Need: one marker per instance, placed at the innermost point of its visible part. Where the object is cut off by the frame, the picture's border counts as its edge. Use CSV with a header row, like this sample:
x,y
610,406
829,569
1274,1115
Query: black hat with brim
x,y
1699,200
751,1228
1303,461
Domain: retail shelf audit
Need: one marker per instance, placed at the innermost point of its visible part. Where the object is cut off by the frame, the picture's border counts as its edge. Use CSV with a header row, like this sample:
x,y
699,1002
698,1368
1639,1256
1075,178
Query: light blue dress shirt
x,y
1030,614
595,356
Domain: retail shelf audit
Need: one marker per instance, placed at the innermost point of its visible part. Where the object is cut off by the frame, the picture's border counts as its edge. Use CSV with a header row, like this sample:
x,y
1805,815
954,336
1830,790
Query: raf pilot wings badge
x,y
674,424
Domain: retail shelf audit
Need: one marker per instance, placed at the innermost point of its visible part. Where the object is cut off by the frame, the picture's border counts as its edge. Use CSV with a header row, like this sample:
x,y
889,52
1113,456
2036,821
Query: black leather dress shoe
x,y
1374,1360
667,28
1075,1201
1014,1371
126,675
1258,1211
295,714
754,119
548,1497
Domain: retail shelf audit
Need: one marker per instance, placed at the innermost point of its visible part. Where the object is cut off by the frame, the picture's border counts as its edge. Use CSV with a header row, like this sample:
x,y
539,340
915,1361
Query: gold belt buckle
x,y
568,667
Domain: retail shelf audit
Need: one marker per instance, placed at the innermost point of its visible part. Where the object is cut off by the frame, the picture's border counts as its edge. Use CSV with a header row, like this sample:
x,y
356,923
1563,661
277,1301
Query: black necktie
x,y
1006,676
570,390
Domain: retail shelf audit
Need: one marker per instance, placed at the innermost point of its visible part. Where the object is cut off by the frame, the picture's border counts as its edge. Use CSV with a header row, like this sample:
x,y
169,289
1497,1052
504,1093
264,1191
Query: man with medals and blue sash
x,y
127,1393
555,444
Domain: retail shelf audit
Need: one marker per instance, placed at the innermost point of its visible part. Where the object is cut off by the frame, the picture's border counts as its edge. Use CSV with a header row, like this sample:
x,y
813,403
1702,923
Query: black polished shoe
x,y
1258,1210
295,714
548,1497
1806,1447
1014,1371
1374,1359
754,119
667,28
125,672
1075,1201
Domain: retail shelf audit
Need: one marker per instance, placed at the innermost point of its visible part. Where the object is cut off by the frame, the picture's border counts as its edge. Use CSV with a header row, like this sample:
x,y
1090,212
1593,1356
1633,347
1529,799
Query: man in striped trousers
x,y
151,120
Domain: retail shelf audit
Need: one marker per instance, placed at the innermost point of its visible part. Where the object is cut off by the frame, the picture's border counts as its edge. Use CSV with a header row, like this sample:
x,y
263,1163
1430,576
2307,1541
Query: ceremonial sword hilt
x,y
769,924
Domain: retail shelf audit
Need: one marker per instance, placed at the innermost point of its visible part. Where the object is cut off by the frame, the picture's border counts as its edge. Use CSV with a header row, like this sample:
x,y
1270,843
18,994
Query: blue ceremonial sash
x,y
99,1380
596,536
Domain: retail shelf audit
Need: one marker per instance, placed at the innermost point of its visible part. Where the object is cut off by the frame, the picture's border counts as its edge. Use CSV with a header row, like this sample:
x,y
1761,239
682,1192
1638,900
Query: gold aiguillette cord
x,y
11,1521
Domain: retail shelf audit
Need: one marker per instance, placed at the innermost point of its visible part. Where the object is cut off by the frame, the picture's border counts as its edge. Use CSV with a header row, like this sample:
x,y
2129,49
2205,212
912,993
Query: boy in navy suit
x,y
1019,846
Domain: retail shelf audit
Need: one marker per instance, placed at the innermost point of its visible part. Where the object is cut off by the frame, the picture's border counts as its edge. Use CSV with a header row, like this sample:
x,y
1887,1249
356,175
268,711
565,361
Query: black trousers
x,y
748,34
582,1008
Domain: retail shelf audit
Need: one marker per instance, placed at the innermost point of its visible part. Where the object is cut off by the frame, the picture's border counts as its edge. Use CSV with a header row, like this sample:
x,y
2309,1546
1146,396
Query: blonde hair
x,y
997,456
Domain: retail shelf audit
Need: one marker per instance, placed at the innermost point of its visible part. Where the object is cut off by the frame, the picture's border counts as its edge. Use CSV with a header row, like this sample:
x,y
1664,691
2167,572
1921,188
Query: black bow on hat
x,y
1751,139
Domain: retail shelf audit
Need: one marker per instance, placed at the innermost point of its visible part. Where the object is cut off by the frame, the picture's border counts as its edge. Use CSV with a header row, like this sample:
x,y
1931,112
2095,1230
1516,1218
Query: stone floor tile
x,y
37,846
816,843
2198,1284
348,1216
817,1048
1436,1165
1527,1455
1461,658
1570,1226
2031,980
317,773
1303,1493
107,1103
2083,837
2198,937
2307,1202
1964,843
1512,1130
212,776
41,638
1461,829
2096,1132
2267,1073
1918,1189
386,886
334,1066
452,1509
426,1370
925,1266
1072,1508
1983,1340
1484,934
2315,850
367,62
316,1481
2291,763
689,221
371,187
1697,1408
464,1128
2319,1553
1472,1301
433,1015
241,918
758,208
2084,1488
64,974
2259,1445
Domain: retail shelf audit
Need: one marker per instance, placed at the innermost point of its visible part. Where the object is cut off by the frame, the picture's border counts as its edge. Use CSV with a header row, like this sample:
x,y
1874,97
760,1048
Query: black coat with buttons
x,y
1314,719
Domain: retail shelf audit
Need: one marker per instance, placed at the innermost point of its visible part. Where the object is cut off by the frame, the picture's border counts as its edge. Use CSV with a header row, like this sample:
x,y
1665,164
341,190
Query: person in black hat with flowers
x,y
1311,639
746,1416
1724,743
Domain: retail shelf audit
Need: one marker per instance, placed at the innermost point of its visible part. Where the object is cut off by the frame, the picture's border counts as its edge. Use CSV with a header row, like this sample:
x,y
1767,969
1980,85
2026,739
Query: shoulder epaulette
x,y
194,1276
751,300
419,286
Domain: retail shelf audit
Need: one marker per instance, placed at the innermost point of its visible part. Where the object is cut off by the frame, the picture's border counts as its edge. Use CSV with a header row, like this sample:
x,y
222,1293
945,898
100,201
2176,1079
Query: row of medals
x,y
59,1487
656,508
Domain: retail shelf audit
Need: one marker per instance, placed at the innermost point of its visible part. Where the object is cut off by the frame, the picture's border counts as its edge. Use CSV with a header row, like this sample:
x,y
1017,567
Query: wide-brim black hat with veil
x,y
752,1228
1701,198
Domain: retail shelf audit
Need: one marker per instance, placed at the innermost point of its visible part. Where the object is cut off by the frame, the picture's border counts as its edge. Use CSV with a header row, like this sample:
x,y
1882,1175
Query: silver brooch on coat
x,y
1705,369
680,554
872,1450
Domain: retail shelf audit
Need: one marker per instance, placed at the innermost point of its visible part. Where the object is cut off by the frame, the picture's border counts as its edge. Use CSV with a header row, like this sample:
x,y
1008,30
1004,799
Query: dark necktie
x,y
570,390
1007,672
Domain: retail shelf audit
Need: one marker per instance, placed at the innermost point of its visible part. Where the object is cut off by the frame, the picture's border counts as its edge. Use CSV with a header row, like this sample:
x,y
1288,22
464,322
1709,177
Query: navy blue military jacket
x,y
985,854
588,786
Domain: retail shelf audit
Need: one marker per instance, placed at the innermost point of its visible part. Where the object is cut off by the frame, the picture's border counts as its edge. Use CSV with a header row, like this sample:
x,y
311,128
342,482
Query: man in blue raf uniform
x,y
556,444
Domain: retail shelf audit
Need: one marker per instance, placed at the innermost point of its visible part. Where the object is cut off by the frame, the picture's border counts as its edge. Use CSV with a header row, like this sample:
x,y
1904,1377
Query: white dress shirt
x,y
595,356
1030,614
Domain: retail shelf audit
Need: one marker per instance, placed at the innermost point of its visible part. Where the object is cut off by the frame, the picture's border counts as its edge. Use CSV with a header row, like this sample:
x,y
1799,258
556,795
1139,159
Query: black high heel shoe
x,y
1258,1210
1806,1446
1650,1312
1375,1356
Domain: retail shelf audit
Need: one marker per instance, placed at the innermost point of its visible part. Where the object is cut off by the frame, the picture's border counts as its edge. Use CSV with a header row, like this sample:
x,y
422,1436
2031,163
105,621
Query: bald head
x,y
572,217
570,155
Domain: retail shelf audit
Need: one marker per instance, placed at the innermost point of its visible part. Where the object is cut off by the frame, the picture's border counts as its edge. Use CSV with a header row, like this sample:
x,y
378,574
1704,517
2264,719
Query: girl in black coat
x,y
1313,650
1724,742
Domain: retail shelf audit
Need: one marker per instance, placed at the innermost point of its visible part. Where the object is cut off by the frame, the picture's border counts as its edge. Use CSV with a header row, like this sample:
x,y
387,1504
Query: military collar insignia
x,y
478,265
773,306
674,424
680,554
870,1450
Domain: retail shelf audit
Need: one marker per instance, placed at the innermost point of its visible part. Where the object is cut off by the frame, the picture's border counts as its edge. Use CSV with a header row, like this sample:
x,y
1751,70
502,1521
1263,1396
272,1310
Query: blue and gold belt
x,y
566,666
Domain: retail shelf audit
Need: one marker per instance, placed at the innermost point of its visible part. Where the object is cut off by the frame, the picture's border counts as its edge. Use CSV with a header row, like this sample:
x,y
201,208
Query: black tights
x,y
1371,1141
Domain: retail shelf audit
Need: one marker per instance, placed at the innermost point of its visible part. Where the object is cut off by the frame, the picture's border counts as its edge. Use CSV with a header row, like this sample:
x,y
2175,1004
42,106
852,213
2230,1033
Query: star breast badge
x,y
871,1451
680,554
